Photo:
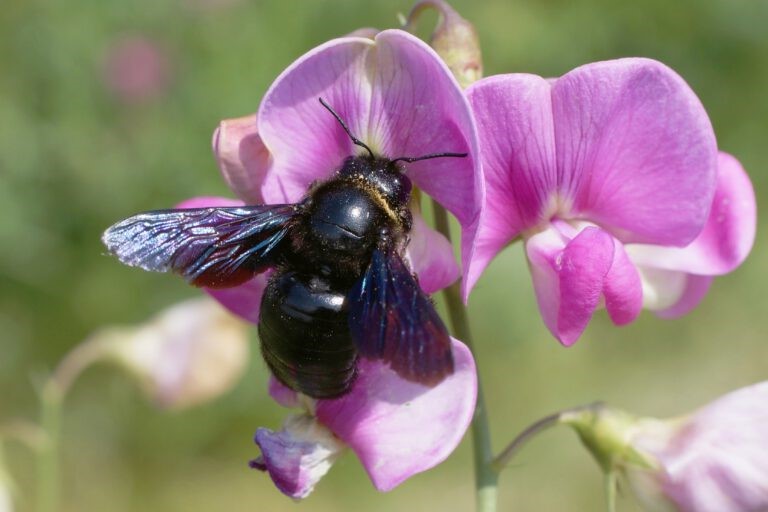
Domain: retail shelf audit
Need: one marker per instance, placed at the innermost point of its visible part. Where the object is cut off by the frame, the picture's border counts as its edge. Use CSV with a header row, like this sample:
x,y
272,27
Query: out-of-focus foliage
x,y
74,158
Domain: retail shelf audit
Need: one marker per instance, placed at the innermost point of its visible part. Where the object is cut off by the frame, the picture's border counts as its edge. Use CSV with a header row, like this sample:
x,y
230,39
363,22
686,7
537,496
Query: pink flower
x,y
713,460
399,98
611,176
136,69
188,354
395,427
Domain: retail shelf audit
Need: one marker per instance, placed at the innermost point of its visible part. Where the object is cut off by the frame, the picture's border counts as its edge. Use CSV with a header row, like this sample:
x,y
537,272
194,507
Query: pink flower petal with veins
x,y
636,152
728,234
514,116
568,277
399,428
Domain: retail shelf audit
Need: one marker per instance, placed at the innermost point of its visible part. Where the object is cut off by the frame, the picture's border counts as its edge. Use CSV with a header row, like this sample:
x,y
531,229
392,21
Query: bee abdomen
x,y
304,334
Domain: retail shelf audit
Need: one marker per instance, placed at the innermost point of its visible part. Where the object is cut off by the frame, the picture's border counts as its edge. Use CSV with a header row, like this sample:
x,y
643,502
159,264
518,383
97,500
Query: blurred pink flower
x,y
187,355
611,176
136,68
395,427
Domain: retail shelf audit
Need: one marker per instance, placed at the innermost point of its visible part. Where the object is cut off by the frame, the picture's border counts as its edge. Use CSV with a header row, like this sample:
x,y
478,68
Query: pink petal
x,y
430,255
304,140
398,428
717,461
515,128
728,235
623,290
208,201
242,157
418,108
243,300
568,277
696,287
282,394
298,456
396,95
635,150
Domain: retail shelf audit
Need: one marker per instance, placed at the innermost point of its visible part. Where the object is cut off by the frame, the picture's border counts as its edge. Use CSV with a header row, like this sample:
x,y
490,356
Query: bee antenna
x,y
355,140
410,159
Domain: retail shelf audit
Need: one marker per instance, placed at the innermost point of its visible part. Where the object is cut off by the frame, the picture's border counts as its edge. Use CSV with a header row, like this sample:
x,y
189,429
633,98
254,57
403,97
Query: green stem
x,y
51,400
486,478
507,454
610,490
504,458
48,455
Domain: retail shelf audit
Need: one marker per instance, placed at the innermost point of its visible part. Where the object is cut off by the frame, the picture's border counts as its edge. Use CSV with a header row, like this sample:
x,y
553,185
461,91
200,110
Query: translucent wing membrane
x,y
392,319
212,247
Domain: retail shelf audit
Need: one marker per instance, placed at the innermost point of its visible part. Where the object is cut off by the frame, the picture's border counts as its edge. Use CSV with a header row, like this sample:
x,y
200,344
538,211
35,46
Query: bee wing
x,y
392,319
212,247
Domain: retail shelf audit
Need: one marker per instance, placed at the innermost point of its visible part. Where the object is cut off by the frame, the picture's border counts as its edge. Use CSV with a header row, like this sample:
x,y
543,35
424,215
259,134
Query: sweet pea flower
x,y
395,427
611,176
399,98
713,460
187,355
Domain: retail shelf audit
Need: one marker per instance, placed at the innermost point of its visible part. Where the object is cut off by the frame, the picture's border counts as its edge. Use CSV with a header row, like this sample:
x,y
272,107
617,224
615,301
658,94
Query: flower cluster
x,y
610,174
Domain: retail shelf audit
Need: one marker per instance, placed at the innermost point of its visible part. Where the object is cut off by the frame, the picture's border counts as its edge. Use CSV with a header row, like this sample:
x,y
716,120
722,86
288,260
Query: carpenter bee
x,y
340,288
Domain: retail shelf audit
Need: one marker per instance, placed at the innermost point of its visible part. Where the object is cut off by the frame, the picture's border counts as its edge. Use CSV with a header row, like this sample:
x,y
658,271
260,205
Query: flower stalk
x,y
486,476
51,399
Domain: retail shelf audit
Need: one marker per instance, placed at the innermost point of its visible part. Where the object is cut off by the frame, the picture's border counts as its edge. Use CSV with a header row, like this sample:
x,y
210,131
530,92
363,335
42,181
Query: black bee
x,y
340,289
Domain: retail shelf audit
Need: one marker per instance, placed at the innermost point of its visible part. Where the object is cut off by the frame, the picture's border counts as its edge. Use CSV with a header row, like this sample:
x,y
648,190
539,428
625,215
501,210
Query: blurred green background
x,y
74,158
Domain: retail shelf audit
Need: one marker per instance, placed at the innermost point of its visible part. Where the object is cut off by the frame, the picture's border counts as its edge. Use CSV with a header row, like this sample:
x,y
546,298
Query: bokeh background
x,y
81,147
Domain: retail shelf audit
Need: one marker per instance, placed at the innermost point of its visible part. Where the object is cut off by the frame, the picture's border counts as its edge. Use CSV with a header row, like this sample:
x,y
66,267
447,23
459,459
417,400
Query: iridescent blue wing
x,y
392,319
212,247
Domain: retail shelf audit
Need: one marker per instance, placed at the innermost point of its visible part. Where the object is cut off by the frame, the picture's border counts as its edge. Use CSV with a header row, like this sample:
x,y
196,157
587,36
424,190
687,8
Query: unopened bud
x,y
454,39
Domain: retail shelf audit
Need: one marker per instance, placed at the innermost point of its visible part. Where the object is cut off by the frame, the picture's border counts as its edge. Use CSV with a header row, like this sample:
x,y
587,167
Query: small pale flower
x,y
188,354
713,460
395,427
611,176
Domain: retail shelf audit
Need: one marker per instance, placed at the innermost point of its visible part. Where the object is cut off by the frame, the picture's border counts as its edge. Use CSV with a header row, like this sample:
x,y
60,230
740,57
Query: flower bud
x,y
713,460
188,354
454,39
